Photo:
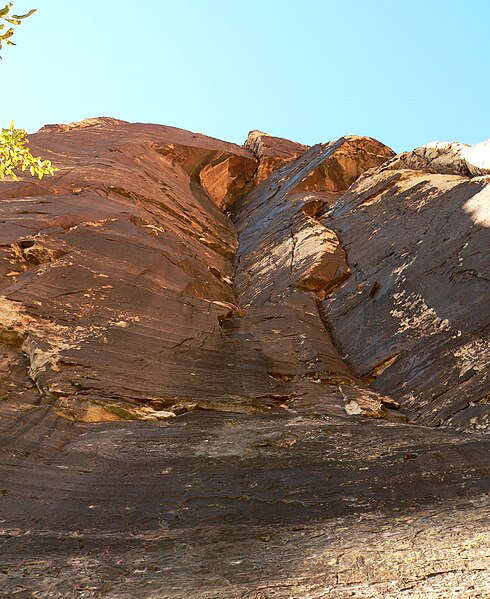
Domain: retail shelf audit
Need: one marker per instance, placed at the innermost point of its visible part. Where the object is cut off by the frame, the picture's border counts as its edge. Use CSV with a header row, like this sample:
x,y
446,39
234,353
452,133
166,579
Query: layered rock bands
x,y
226,370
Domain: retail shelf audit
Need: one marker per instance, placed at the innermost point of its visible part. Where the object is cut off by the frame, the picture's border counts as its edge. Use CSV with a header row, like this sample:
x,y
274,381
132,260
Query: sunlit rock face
x,y
234,371
447,158
272,152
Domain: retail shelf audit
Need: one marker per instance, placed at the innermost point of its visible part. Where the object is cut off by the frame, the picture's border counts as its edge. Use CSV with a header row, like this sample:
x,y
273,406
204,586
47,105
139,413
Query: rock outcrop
x,y
140,264
272,152
256,371
121,275
451,158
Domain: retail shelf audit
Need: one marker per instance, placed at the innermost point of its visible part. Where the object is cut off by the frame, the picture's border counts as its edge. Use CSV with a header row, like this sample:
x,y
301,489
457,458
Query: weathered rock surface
x,y
272,152
284,255
248,505
447,158
139,268
127,298
192,334
414,319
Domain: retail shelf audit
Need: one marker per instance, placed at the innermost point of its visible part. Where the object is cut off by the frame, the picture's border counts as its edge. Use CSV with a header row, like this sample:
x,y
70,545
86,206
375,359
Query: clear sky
x,y
404,72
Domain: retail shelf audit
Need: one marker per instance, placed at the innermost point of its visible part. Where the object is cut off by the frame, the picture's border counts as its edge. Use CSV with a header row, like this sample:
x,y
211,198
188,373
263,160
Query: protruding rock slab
x,y
319,262
272,152
346,165
225,180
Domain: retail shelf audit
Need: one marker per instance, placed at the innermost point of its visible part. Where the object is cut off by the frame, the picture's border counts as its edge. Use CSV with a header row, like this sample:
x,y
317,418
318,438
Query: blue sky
x,y
405,72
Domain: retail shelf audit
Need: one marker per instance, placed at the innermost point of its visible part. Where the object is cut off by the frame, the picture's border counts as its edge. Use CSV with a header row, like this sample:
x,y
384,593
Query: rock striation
x,y
244,371
121,277
414,320
272,152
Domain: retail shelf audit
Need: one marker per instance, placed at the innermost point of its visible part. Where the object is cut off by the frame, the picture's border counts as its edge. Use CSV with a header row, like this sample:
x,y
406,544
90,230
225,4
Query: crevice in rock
x,y
271,268
380,368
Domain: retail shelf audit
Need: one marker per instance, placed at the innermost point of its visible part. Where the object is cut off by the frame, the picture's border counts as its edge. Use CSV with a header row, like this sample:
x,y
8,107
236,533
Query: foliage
x,y
11,20
14,151
15,155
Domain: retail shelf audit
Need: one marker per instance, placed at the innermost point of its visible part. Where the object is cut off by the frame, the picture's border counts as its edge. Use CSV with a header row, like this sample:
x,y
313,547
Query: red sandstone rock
x,y
226,179
339,171
272,152
126,293
121,283
135,256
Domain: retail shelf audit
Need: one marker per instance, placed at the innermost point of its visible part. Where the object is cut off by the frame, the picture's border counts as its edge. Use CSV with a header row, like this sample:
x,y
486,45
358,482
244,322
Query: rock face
x,y
414,320
447,158
119,277
136,266
272,152
224,366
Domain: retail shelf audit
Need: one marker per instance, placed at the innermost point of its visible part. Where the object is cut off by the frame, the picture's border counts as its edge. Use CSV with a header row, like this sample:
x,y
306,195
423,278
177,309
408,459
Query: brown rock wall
x,y
139,262
176,421
414,316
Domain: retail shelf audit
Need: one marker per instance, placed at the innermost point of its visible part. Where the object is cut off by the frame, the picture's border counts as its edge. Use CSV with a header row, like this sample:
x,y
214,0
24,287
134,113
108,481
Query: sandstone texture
x,y
244,371
272,152
452,158
414,319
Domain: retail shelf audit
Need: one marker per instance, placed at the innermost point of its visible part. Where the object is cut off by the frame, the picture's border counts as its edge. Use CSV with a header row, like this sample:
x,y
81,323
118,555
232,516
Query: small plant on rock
x,y
15,155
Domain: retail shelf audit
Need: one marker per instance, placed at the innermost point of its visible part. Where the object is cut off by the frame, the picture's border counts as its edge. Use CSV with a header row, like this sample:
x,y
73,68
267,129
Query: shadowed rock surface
x,y
414,319
223,366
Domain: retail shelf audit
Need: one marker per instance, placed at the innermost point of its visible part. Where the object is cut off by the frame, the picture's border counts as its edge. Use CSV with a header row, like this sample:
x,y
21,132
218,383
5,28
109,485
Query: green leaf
x,y
16,156
14,150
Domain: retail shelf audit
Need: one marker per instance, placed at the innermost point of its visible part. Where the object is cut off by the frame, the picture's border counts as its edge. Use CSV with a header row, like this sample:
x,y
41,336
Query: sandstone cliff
x,y
244,371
